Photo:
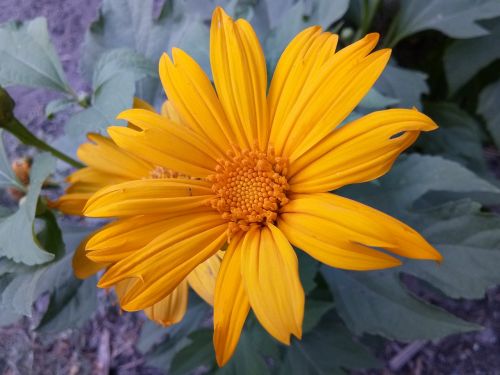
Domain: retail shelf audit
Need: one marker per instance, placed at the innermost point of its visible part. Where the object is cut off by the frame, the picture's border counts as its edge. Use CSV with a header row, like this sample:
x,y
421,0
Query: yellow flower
x,y
261,168
108,164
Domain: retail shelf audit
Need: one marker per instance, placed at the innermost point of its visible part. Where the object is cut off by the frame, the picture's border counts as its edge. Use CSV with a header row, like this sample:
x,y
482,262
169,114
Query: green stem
x,y
10,123
369,8
25,136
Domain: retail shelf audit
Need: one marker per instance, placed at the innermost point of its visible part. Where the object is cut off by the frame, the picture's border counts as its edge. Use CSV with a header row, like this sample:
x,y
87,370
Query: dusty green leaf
x,y
465,58
7,177
118,61
24,247
29,58
112,97
455,18
328,349
417,175
292,18
489,100
199,352
404,85
57,105
246,359
161,345
458,137
466,272
314,311
376,303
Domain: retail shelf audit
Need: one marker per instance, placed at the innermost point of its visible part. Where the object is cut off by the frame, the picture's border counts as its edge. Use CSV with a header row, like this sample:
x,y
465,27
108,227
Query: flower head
x,y
107,164
255,170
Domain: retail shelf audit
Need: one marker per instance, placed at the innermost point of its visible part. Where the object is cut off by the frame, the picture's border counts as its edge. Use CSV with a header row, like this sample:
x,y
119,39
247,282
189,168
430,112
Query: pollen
x,y
250,187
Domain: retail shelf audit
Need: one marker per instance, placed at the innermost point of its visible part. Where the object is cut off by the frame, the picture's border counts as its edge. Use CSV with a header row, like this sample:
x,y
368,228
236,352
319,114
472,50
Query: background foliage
x,y
444,63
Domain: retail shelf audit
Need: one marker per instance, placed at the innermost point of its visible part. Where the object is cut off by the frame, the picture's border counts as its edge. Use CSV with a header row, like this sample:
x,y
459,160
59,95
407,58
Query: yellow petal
x,y
165,262
118,239
168,111
360,151
105,156
301,62
171,309
271,277
202,278
327,96
194,99
83,267
71,204
162,196
231,304
165,143
142,104
339,232
240,77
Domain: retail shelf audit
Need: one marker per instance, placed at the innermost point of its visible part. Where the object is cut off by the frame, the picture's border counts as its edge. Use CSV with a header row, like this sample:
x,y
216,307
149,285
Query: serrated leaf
x,y
293,18
57,105
466,272
314,311
118,61
246,359
70,305
329,349
376,303
199,352
458,137
455,18
463,59
418,175
375,100
29,58
7,177
24,247
405,85
488,108
160,345
130,24
113,96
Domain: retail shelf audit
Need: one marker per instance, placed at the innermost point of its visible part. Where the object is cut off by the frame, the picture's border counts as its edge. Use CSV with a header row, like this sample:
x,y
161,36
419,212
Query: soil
x,y
106,344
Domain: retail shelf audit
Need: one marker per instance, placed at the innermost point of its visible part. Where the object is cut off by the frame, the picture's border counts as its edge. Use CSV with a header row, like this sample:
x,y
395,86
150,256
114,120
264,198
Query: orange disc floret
x,y
250,187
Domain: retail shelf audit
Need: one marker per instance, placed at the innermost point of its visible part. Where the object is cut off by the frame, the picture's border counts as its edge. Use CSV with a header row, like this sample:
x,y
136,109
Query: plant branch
x,y
10,123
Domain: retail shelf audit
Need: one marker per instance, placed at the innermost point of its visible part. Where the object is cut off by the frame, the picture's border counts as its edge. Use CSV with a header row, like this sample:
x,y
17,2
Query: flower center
x,y
250,188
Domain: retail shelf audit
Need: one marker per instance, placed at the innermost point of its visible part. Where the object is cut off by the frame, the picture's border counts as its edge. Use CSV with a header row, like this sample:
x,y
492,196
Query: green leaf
x,y
375,100
327,350
118,61
57,105
246,359
376,303
24,247
466,272
314,311
129,24
418,175
113,96
7,177
455,18
488,108
196,354
458,137
465,58
405,85
29,58
71,304
160,345
291,19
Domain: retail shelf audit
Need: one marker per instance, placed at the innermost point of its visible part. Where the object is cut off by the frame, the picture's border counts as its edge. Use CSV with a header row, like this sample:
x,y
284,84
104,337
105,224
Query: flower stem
x,y
10,123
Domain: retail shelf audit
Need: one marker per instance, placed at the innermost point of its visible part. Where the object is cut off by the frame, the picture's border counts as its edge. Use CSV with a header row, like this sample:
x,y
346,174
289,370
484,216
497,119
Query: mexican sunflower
x,y
256,167
107,164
